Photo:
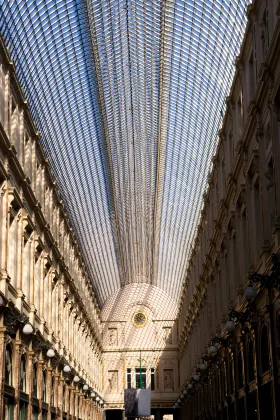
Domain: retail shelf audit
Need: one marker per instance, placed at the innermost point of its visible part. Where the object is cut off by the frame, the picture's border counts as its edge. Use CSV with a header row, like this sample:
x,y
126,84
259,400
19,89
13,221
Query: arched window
x,y
44,386
240,370
250,361
34,380
9,365
22,379
264,350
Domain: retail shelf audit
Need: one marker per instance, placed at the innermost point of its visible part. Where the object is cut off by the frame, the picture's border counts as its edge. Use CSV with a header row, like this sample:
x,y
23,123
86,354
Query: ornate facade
x,y
218,357
236,237
43,283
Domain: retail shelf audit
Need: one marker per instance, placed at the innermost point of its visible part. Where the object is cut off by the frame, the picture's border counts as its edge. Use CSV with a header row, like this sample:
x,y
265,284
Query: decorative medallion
x,y
139,319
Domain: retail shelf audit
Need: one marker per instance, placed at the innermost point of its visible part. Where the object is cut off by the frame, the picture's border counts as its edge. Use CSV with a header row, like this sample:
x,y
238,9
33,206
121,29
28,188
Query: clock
x,y
139,319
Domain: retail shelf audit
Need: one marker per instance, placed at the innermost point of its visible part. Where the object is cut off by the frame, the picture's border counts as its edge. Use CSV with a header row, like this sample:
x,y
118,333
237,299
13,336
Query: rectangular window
x,y
128,378
138,384
153,379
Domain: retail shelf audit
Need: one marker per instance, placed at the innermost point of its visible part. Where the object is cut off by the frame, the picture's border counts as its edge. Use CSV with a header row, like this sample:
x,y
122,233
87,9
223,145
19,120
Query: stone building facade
x,y
139,321
61,357
47,302
237,235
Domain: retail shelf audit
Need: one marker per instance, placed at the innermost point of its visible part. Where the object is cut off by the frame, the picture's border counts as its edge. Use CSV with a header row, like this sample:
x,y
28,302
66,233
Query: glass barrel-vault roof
x,y
128,96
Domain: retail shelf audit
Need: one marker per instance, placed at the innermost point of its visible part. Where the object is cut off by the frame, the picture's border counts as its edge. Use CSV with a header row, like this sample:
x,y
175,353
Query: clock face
x,y
139,319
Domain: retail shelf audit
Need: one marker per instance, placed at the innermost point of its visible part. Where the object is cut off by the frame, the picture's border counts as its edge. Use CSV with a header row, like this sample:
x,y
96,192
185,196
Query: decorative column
x,y
18,351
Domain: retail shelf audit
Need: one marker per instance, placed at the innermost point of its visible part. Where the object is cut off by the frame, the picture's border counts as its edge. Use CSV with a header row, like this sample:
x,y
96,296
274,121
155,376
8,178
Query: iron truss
x,y
128,96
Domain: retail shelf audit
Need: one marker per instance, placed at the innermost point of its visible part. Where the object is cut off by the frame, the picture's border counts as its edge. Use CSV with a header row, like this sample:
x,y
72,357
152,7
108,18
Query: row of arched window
x,y
9,374
9,379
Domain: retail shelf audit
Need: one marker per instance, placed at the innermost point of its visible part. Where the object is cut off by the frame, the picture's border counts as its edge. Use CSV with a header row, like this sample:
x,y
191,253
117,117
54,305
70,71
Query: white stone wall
x,y
123,341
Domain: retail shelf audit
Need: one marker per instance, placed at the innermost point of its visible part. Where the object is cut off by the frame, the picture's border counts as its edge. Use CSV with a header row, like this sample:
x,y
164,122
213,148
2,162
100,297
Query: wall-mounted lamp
x,y
213,349
50,353
27,329
66,369
271,281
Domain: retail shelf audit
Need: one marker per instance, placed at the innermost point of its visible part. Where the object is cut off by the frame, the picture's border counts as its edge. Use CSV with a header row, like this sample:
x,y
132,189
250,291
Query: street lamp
x,y
76,379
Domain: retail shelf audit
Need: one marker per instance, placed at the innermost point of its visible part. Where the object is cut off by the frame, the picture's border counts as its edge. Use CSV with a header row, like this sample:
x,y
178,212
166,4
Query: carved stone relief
x,y
168,375
113,380
112,337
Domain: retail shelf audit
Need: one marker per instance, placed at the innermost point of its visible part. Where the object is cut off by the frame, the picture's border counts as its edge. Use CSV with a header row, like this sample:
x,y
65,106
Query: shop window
x,y
250,361
22,379
23,411
44,386
240,371
9,365
264,350
34,380
52,391
35,413
8,409
230,376
64,398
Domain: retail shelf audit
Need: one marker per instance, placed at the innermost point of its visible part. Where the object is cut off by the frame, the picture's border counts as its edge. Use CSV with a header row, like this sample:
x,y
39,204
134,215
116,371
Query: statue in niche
x,y
113,380
167,335
113,337
168,379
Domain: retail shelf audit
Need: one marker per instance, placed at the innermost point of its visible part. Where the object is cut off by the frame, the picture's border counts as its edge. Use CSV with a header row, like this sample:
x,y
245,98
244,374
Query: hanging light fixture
x,y
190,386
182,396
203,366
85,387
185,392
196,377
92,395
76,379
101,402
97,398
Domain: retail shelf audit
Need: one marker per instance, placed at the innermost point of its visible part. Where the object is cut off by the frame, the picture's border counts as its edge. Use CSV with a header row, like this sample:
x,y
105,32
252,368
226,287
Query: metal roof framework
x,y
129,96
